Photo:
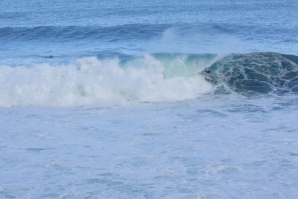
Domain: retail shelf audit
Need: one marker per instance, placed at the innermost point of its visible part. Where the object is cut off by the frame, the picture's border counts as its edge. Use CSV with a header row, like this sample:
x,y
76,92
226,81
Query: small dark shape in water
x,y
51,56
207,71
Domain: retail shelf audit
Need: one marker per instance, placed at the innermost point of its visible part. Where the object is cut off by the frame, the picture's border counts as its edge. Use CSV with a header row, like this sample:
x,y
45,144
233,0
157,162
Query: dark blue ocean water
x,y
148,99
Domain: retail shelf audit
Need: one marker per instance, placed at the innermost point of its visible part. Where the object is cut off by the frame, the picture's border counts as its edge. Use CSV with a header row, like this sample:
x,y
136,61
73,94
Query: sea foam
x,y
91,81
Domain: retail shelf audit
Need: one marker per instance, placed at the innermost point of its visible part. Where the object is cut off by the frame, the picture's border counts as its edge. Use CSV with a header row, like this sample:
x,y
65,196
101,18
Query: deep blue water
x,y
135,99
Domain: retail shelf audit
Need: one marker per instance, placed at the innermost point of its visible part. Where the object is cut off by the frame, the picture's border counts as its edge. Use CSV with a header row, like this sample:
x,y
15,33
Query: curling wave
x,y
151,78
255,73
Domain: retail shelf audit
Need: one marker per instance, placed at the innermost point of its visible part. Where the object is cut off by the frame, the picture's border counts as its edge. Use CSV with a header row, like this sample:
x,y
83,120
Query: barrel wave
x,y
255,73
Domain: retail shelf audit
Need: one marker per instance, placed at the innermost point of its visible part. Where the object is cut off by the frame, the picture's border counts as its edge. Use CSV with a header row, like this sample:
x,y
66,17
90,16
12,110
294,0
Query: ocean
x,y
148,99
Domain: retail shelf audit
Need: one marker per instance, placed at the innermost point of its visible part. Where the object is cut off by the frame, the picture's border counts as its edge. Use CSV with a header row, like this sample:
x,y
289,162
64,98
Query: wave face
x,y
255,73
91,81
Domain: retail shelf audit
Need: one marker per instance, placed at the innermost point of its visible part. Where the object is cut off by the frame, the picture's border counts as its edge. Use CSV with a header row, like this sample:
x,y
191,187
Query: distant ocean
x,y
148,99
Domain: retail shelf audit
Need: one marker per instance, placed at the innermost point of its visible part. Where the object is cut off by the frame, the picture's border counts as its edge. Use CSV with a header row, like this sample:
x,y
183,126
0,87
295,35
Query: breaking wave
x,y
151,78
255,73
91,81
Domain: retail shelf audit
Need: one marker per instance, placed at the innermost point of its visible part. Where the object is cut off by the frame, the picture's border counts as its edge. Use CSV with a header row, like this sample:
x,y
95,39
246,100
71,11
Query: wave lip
x,y
263,72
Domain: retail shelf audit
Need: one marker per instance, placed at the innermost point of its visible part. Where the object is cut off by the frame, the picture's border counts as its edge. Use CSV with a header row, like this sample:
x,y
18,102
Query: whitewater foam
x,y
91,81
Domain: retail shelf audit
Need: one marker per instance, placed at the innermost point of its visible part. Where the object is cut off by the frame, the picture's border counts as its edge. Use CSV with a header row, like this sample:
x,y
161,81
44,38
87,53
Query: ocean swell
x,y
77,33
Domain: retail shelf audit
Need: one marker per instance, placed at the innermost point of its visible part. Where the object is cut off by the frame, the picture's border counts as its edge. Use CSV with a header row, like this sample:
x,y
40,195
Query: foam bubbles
x,y
95,82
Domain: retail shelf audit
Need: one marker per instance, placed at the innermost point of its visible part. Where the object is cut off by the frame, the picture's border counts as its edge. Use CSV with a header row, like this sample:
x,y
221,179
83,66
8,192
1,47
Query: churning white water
x,y
90,81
